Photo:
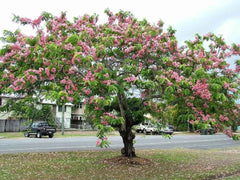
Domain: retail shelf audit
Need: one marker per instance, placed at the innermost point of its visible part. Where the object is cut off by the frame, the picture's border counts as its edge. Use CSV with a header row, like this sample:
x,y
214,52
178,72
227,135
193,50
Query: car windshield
x,y
44,124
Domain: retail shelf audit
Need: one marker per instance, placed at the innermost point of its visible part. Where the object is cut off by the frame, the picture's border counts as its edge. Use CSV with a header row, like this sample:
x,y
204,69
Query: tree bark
x,y
128,136
126,129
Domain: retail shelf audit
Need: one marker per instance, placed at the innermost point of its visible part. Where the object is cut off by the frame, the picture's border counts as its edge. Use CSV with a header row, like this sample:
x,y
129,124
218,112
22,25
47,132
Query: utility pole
x,y
63,109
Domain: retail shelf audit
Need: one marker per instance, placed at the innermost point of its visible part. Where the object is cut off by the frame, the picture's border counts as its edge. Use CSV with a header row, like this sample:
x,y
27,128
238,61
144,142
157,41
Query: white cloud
x,y
187,16
230,28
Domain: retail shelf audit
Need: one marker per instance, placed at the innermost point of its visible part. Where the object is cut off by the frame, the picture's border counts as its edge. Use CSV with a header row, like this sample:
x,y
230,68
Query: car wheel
x,y
39,135
26,134
50,135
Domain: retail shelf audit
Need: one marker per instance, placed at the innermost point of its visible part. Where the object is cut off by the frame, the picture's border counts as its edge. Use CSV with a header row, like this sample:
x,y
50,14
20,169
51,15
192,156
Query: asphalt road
x,y
19,145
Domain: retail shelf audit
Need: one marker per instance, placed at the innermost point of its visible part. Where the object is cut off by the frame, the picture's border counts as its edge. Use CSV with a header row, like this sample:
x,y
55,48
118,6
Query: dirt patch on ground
x,y
121,160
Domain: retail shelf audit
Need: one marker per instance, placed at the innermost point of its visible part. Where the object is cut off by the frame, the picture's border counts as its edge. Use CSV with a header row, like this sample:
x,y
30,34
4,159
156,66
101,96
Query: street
x,y
217,141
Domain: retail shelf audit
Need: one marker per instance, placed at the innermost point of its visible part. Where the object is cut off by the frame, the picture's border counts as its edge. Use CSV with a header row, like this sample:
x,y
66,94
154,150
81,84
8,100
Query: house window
x,y
79,106
60,108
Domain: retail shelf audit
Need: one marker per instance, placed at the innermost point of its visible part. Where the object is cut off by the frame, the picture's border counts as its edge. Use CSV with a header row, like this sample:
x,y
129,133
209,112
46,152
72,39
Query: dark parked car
x,y
39,129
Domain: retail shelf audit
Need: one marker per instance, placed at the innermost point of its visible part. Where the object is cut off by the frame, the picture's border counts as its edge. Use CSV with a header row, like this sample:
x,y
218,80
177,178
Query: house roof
x,y
11,95
43,100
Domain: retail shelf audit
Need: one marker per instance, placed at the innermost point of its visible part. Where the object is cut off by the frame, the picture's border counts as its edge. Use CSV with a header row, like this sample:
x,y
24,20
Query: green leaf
x,y
186,92
112,88
216,87
169,90
238,62
201,73
161,80
73,39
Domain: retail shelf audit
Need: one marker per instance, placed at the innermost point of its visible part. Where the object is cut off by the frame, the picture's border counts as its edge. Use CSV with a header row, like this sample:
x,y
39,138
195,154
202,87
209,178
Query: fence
x,y
12,125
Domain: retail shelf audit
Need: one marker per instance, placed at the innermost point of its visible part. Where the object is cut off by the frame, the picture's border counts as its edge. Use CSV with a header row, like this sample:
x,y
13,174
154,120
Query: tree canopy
x,y
122,69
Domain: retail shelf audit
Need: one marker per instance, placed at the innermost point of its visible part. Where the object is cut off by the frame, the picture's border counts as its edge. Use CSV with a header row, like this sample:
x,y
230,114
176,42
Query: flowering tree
x,y
123,69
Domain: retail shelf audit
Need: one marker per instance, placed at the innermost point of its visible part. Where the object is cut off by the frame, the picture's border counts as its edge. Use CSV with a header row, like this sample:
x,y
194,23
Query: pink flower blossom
x,y
107,75
109,82
38,20
191,122
12,77
201,89
226,119
70,99
128,50
226,85
98,142
232,89
179,90
96,108
205,118
32,78
130,79
63,81
206,105
47,71
85,101
140,67
53,70
143,95
25,20
87,91
17,88
104,122
110,115
221,118
190,104
16,46
228,133
89,77
213,120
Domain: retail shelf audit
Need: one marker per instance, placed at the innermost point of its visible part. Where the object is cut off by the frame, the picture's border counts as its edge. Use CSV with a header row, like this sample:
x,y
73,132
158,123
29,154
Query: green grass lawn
x,y
164,164
56,135
11,134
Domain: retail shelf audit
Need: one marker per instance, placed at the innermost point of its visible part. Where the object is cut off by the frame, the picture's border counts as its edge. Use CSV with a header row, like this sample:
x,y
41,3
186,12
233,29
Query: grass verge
x,y
57,134
166,164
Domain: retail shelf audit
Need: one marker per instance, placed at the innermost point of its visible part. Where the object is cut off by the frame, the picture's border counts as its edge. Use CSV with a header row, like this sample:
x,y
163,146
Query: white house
x,y
74,116
57,112
3,100
78,119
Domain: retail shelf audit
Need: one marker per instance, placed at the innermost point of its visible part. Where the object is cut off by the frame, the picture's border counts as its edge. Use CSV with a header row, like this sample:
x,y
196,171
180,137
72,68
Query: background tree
x,y
46,114
122,68
29,109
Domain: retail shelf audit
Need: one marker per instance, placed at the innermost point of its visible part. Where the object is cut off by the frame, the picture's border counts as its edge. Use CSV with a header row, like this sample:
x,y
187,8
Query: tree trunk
x,y
126,129
127,136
